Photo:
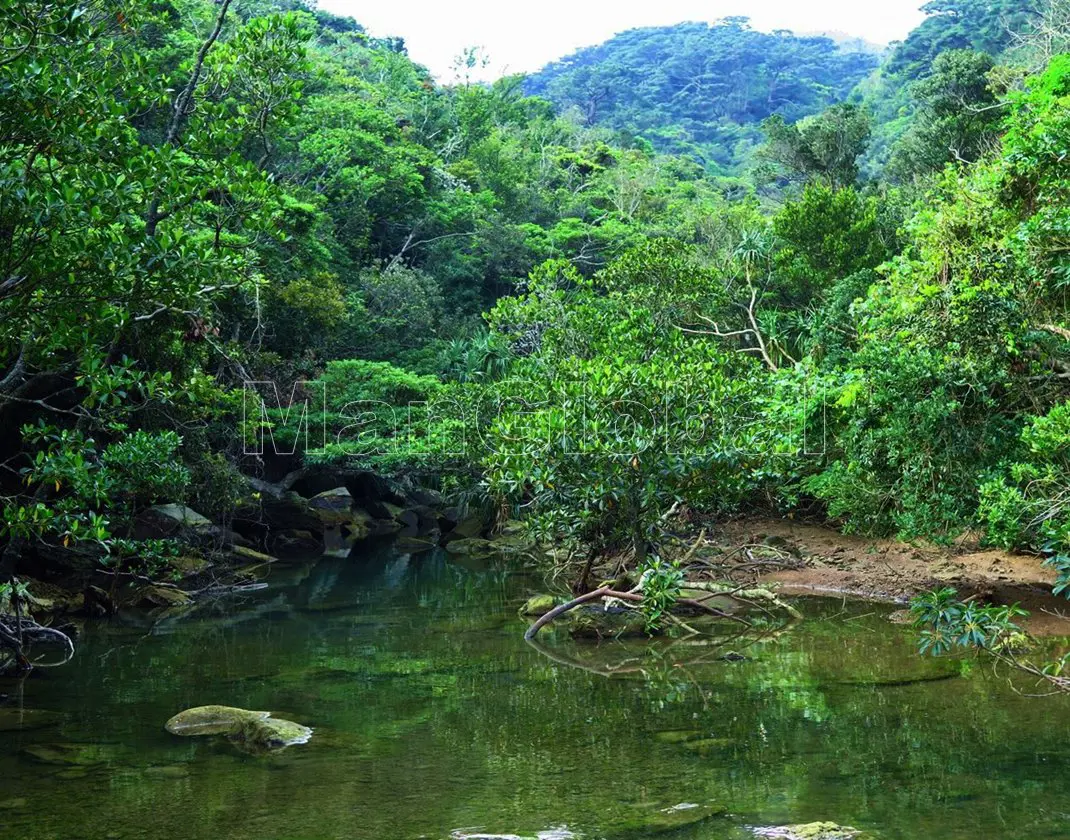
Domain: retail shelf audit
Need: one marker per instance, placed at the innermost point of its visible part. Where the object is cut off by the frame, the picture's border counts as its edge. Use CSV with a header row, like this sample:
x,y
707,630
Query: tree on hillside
x,y
958,115
824,147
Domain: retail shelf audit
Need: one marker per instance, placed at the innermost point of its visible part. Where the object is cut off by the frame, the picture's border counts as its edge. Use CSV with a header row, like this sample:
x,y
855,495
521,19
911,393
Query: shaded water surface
x,y
432,716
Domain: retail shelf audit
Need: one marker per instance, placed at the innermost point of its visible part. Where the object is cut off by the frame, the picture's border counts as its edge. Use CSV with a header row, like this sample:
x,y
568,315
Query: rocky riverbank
x,y
309,513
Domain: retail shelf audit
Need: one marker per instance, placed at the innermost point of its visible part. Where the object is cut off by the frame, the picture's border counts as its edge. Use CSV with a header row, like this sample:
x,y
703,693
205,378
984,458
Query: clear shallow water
x,y
433,715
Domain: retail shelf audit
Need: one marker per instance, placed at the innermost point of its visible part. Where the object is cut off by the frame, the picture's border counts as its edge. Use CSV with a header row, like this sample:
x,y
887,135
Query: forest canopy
x,y
863,304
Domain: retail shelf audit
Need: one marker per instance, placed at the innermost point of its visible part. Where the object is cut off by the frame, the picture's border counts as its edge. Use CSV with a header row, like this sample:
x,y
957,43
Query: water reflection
x,y
432,715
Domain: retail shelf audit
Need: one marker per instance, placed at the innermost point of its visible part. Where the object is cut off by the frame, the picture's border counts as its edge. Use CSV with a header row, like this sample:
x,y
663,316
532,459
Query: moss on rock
x,y
538,605
212,720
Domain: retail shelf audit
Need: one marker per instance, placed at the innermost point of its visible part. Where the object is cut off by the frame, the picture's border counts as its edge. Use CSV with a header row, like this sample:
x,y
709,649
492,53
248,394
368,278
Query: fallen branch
x,y
744,595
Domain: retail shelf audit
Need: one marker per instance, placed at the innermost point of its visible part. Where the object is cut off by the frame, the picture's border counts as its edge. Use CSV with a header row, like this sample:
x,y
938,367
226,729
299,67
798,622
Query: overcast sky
x,y
523,35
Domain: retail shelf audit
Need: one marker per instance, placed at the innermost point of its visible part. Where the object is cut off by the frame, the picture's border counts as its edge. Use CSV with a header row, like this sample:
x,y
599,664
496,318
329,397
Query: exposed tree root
x,y
17,635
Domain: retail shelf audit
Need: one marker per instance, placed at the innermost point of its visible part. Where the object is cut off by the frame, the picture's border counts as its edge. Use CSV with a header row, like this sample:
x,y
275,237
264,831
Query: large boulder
x,y
425,497
364,486
473,524
333,507
164,521
293,542
290,511
71,755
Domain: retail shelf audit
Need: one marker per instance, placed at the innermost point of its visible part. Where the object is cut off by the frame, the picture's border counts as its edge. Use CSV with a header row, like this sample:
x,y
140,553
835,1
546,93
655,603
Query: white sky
x,y
522,36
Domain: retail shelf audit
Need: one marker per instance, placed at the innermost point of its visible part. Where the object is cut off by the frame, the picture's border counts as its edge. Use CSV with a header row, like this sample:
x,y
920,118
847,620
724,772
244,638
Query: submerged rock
x,y
270,734
167,771
413,545
705,746
212,720
678,736
667,821
69,755
12,719
254,732
810,831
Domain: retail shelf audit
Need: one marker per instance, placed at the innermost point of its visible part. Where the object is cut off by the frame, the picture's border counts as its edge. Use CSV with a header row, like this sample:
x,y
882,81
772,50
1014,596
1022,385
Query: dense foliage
x,y
559,314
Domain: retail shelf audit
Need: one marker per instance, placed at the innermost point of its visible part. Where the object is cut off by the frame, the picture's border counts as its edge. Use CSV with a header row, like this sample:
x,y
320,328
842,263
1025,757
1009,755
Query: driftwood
x,y
749,596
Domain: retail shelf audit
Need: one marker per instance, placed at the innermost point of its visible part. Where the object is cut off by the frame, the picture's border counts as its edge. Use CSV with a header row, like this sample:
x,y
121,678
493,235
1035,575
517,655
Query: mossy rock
x,y
270,734
296,542
811,831
471,526
473,547
538,605
189,564
334,507
161,521
253,732
161,596
212,720
598,623
243,553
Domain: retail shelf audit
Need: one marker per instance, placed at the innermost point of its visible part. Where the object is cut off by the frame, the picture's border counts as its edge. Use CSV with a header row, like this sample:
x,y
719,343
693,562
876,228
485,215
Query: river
x,y
433,717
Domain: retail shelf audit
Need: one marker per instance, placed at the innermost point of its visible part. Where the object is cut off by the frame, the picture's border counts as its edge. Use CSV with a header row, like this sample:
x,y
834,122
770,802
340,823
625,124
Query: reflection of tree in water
x,y
672,668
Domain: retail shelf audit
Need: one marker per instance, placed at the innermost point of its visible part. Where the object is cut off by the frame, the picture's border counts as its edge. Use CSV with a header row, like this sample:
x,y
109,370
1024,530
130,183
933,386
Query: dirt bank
x,y
823,561
813,560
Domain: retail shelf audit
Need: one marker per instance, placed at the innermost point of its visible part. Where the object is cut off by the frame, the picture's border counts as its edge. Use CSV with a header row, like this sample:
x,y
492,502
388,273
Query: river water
x,y
433,717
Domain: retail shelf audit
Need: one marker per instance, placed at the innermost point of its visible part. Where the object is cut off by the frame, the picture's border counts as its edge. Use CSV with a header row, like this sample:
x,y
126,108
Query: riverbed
x,y
433,718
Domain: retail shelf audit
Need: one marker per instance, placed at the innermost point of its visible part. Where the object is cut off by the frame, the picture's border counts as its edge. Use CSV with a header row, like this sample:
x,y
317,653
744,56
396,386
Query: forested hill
x,y
988,26
972,36
702,89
